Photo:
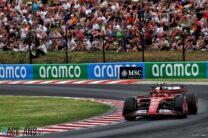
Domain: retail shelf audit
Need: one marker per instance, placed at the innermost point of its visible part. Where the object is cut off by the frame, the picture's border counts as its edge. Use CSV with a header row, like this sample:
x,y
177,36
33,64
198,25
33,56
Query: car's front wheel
x,y
130,105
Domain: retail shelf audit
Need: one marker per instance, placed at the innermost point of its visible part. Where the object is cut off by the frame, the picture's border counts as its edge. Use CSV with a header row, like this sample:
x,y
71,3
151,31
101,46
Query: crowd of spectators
x,y
120,25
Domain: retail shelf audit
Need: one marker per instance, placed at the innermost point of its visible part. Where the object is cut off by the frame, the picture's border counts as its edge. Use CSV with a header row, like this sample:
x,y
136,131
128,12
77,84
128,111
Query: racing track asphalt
x,y
195,126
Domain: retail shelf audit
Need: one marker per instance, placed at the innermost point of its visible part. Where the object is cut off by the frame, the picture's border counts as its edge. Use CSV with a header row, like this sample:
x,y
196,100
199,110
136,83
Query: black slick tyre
x,y
130,105
192,102
180,105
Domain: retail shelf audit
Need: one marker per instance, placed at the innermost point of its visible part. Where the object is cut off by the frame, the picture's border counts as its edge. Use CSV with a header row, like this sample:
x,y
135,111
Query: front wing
x,y
161,112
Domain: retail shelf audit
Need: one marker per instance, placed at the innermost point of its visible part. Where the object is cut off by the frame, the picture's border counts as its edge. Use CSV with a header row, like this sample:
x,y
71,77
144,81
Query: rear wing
x,y
170,88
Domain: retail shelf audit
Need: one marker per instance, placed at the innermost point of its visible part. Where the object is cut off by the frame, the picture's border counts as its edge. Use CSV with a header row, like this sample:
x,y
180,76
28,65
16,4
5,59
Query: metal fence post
x,y
142,36
30,52
143,44
30,36
66,52
183,49
103,50
143,53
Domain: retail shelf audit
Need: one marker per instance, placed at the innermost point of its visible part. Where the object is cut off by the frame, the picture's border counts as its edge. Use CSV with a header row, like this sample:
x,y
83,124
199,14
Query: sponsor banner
x,y
130,73
16,72
175,70
60,71
110,70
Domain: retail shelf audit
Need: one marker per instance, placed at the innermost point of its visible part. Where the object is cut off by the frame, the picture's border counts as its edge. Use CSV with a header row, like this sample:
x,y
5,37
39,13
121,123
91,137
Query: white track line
x,y
79,82
46,82
97,82
30,82
99,121
64,127
90,123
62,82
79,125
114,82
117,117
15,82
49,130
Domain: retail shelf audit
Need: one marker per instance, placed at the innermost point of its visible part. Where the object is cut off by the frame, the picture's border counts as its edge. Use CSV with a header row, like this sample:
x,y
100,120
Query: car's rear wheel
x,y
130,105
181,106
192,102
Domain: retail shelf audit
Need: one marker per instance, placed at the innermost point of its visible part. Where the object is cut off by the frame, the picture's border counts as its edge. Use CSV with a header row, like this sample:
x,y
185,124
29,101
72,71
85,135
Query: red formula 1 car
x,y
163,100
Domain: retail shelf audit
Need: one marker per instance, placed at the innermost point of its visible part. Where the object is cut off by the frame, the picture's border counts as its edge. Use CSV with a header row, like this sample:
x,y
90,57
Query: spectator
x,y
154,23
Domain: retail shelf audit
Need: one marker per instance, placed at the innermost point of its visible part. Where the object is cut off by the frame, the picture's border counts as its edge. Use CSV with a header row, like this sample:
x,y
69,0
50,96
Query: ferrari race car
x,y
163,100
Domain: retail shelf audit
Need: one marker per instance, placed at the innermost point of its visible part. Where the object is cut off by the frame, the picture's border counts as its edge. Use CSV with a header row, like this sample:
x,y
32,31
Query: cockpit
x,y
159,94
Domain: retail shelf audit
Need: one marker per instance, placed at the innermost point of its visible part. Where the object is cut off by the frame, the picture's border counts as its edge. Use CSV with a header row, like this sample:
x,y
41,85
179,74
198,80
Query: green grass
x,y
9,57
21,111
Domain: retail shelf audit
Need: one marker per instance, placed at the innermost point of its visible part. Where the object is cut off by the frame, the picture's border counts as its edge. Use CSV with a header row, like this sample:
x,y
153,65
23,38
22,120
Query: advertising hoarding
x,y
60,71
109,71
16,72
175,70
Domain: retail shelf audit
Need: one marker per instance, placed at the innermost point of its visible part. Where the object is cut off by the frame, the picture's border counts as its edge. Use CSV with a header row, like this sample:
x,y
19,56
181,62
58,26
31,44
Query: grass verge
x,y
9,57
22,111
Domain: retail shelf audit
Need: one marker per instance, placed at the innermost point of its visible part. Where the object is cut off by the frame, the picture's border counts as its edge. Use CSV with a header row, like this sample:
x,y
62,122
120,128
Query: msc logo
x,y
124,73
135,72
175,70
130,72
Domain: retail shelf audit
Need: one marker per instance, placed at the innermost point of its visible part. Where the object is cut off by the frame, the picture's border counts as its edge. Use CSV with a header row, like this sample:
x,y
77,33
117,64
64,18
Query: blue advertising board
x,y
16,72
110,70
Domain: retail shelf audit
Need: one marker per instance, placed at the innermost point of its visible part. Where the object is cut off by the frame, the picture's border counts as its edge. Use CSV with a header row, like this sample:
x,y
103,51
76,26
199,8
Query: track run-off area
x,y
194,126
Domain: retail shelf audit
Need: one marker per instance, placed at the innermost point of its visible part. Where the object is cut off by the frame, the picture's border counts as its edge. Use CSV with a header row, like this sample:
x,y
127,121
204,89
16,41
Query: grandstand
x,y
119,25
